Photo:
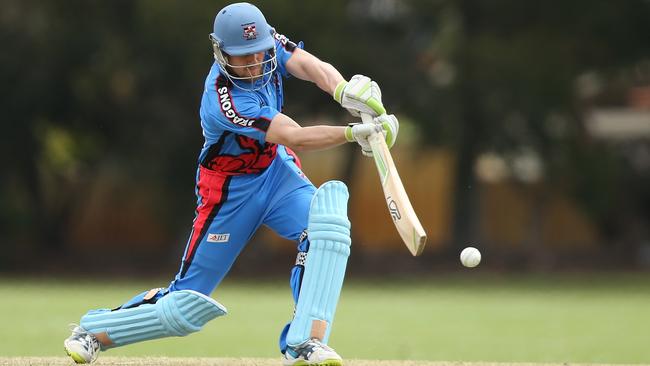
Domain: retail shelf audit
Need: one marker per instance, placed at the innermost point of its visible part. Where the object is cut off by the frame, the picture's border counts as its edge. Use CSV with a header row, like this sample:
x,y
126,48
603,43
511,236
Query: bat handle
x,y
366,118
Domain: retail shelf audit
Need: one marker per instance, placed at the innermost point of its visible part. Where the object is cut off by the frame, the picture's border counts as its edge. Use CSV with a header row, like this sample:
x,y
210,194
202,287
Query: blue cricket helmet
x,y
241,29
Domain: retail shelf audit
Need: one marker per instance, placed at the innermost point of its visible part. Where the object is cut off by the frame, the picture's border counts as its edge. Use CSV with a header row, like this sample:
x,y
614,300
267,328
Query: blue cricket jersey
x,y
235,121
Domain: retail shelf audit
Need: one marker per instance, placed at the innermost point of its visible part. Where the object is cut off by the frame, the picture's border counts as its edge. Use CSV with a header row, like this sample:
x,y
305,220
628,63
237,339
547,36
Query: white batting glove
x,y
390,127
360,132
360,95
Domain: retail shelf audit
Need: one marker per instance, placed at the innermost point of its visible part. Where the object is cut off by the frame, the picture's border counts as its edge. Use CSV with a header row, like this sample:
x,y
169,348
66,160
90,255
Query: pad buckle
x,y
301,259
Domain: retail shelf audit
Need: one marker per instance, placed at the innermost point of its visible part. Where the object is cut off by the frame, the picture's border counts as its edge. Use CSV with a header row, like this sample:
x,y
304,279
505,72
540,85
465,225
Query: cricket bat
x,y
400,209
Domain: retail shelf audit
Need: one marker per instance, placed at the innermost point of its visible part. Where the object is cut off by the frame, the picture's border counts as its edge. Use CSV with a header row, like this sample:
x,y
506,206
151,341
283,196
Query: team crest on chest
x,y
250,32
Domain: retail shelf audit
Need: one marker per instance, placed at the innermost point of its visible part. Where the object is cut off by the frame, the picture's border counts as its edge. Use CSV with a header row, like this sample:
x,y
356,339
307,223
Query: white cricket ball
x,y
470,257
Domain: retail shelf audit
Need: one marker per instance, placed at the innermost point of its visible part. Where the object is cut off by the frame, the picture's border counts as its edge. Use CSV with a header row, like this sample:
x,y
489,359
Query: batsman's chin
x,y
254,75
252,80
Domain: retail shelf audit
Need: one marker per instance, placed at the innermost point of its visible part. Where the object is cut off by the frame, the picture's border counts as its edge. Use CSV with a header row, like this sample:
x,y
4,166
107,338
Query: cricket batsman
x,y
247,176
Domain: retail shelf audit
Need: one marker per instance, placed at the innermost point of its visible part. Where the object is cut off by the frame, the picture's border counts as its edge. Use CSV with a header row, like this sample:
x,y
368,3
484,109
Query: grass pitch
x,y
470,318
163,361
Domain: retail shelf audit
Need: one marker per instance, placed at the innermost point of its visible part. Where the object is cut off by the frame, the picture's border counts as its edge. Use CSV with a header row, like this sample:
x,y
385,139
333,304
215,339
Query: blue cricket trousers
x,y
231,209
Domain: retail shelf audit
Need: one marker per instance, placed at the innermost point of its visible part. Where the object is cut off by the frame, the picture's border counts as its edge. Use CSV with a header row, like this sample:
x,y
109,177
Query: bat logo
x,y
393,209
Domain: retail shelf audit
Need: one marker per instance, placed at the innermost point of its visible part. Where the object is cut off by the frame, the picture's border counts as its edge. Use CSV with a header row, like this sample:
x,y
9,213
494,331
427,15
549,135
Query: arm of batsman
x,y
360,95
360,132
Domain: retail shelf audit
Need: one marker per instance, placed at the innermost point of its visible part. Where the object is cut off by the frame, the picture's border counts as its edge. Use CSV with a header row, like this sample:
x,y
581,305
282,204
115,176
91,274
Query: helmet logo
x,y
250,32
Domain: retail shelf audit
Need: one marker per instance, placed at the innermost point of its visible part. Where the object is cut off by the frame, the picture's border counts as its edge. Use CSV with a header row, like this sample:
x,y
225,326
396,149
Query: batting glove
x,y
360,132
360,95
390,127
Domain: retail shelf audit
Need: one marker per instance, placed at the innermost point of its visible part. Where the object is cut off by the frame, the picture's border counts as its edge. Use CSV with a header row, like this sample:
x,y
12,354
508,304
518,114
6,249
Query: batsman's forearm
x,y
306,66
317,138
326,77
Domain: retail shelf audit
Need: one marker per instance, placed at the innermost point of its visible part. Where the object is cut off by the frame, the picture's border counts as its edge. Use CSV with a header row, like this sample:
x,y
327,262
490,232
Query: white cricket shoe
x,y
82,346
311,352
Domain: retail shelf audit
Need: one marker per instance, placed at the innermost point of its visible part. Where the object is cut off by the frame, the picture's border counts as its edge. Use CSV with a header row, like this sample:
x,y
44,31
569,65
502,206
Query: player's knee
x,y
187,311
328,219
177,313
184,312
324,264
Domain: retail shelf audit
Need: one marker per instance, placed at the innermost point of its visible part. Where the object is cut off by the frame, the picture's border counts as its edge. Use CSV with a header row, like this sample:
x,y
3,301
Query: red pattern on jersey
x,y
296,159
255,159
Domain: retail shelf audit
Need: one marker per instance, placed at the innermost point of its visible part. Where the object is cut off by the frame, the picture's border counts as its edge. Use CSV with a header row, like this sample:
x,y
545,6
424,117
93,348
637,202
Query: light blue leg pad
x,y
178,313
329,249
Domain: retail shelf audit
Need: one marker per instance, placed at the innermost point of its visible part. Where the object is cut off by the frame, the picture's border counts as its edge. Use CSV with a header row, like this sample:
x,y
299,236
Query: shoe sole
x,y
331,362
75,356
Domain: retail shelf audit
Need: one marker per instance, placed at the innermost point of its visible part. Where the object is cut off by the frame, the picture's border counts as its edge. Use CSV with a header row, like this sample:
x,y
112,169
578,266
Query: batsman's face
x,y
247,66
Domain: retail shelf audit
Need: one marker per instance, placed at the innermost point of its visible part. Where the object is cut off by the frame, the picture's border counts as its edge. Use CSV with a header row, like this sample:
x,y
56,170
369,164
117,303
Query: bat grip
x,y
366,118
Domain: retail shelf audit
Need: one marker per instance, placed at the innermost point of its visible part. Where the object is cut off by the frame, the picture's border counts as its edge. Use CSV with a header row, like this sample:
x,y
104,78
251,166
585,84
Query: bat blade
x,y
399,206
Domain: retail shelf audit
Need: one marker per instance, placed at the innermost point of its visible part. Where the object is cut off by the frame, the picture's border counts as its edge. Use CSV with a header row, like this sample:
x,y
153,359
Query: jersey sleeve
x,y
284,49
239,113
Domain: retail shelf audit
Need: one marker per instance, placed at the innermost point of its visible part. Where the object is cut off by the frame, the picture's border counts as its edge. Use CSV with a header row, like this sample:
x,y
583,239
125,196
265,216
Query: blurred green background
x,y
524,131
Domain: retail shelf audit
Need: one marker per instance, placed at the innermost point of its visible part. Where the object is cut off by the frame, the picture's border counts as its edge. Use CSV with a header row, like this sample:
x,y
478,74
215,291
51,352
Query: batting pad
x,y
329,249
178,313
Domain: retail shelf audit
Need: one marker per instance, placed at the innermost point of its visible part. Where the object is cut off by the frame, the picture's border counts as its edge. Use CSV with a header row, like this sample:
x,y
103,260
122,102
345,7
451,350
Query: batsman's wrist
x,y
338,91
348,133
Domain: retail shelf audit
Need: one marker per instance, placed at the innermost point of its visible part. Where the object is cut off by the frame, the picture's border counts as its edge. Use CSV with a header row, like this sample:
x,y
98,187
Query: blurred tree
x,y
92,85
515,66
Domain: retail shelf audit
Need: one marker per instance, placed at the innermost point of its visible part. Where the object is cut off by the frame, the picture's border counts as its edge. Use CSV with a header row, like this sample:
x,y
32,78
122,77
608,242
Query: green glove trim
x,y
363,90
376,106
390,139
338,91
348,134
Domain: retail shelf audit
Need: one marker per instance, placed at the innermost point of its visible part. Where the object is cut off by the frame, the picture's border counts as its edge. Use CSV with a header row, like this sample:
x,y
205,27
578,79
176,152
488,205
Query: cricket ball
x,y
470,257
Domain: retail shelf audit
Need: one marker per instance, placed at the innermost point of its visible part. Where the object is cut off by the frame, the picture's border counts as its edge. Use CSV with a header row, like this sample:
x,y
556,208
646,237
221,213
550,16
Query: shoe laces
x,y
87,340
308,347
316,343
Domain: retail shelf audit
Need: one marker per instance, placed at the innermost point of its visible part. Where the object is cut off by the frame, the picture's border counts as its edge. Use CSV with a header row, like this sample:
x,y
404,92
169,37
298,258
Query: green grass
x,y
220,361
576,319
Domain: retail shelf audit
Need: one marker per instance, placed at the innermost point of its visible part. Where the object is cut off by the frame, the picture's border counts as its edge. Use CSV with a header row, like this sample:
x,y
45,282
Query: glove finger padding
x,y
359,133
390,127
374,101
387,124
360,95
366,151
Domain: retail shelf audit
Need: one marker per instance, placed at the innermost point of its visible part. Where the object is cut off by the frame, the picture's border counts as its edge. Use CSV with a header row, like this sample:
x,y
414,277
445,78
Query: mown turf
x,y
164,361
474,317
